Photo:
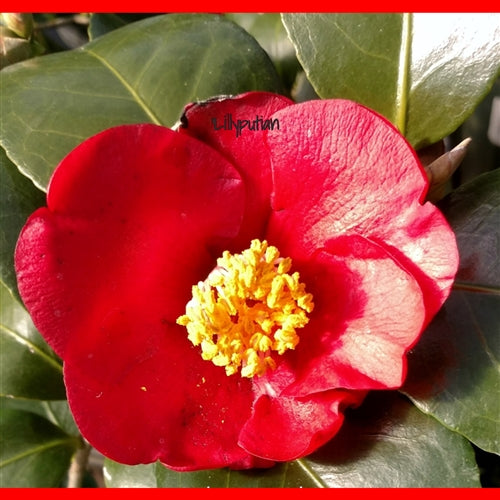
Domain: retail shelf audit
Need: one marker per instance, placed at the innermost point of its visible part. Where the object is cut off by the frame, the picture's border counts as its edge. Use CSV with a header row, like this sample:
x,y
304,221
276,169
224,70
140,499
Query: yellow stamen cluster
x,y
247,307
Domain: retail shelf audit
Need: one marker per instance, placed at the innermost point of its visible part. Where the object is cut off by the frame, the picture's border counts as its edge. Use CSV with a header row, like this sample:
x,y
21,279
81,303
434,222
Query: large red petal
x,y
286,428
368,313
140,393
214,121
135,215
132,213
340,168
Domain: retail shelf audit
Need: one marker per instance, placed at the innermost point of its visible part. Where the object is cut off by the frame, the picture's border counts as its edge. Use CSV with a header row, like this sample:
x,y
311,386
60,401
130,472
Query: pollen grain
x,y
247,310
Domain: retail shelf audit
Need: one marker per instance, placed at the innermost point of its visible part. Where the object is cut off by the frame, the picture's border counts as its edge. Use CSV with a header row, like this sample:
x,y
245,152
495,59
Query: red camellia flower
x,y
220,293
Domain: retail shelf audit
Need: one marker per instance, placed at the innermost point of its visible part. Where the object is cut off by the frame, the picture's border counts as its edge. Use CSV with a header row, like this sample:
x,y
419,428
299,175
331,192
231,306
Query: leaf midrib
x,y
38,449
310,473
137,98
32,347
404,67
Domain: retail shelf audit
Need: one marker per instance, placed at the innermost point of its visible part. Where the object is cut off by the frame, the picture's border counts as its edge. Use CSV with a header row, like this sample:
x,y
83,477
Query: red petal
x,y
106,269
368,313
283,428
140,392
131,214
339,168
247,151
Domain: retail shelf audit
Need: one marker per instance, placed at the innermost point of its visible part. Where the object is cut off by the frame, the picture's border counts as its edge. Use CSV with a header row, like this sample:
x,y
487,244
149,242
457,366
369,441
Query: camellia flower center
x,y
248,307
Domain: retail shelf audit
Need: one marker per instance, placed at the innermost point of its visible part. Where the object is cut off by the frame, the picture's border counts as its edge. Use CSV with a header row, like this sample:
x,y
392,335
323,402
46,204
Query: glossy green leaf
x,y
425,72
454,370
473,212
101,23
146,71
18,199
34,453
269,31
387,442
57,412
28,367
296,474
303,90
129,476
482,155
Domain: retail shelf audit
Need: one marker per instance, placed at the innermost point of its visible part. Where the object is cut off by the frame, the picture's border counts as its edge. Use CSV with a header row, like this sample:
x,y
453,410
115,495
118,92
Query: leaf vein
x,y
127,86
311,474
35,450
32,347
358,47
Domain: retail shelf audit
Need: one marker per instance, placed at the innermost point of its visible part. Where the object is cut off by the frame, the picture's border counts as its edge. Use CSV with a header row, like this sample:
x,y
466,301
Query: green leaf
x,y
425,72
29,369
18,199
100,24
129,476
57,412
454,370
144,72
387,442
482,154
34,453
269,31
296,474
473,212
292,474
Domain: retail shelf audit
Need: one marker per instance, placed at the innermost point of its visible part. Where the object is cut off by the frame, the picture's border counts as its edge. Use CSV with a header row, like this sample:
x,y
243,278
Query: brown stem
x,y
78,466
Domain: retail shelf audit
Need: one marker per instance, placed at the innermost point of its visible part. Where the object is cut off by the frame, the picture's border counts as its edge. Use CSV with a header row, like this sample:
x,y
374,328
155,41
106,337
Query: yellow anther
x,y
247,307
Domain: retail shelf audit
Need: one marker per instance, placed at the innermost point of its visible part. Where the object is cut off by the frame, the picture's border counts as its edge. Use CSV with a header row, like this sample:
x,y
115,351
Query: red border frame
x,y
222,6
254,6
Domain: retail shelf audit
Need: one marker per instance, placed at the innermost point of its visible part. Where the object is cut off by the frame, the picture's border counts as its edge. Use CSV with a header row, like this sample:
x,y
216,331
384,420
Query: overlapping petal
x,y
368,312
350,172
140,392
134,215
138,214
214,123
284,428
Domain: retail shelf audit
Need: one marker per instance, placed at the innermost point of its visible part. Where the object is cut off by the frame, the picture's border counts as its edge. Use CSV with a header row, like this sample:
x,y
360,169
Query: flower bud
x,y
20,23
